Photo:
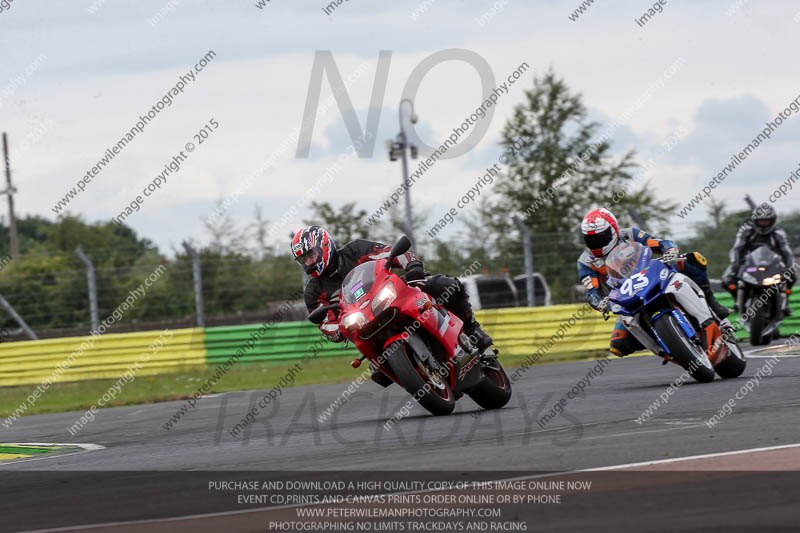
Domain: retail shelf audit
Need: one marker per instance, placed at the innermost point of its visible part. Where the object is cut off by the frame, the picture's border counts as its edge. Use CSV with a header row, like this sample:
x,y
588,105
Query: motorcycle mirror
x,y
402,245
318,315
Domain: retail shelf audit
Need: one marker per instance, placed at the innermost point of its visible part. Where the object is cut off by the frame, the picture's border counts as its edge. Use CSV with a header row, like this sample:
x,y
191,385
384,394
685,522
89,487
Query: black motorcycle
x,y
761,294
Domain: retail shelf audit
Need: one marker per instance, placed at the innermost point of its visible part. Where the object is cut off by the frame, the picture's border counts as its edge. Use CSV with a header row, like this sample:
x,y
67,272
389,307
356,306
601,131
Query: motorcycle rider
x,y
314,249
760,230
602,235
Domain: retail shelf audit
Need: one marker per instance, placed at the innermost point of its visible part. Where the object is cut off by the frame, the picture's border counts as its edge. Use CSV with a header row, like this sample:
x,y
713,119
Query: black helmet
x,y
764,218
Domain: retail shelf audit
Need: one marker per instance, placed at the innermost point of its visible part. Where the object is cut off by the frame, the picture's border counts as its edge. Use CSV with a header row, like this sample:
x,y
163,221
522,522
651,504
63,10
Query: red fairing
x,y
410,302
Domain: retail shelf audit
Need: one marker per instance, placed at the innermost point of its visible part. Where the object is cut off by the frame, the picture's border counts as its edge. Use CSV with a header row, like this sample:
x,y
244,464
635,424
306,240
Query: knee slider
x,y
621,343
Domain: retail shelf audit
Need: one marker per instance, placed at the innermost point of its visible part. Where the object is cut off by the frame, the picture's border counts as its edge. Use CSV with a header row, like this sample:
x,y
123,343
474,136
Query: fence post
x,y
11,311
526,244
198,284
92,287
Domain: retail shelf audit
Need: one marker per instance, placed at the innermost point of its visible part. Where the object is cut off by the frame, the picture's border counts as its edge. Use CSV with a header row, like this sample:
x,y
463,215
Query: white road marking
x,y
640,432
771,356
519,478
85,447
691,457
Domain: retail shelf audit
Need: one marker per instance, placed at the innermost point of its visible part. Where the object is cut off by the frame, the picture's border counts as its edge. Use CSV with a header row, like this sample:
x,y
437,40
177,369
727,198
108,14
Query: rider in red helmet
x,y
601,234
314,249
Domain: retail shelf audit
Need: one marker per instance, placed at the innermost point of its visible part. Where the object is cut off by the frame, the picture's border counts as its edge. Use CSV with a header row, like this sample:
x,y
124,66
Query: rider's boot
x,y
476,334
461,307
720,310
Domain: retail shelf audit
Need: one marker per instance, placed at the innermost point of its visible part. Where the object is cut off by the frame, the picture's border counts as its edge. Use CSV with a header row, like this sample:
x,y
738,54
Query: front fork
x,y
642,335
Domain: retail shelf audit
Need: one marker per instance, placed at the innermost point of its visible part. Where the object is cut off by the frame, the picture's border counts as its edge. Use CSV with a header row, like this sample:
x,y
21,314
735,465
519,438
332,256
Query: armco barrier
x,y
517,331
286,340
33,362
522,330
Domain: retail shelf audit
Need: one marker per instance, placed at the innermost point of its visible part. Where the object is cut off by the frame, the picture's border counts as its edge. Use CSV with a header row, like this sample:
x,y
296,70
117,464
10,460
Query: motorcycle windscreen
x,y
762,256
628,267
358,282
627,259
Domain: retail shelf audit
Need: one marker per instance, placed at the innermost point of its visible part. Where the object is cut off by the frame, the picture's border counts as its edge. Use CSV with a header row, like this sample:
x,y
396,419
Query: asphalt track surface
x,y
597,429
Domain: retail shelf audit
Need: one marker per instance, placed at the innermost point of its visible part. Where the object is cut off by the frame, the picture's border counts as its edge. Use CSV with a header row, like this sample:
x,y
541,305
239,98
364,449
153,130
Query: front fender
x,y
415,341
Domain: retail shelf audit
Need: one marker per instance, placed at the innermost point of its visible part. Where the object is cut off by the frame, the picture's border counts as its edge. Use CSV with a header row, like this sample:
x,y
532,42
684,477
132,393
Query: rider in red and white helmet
x,y
601,234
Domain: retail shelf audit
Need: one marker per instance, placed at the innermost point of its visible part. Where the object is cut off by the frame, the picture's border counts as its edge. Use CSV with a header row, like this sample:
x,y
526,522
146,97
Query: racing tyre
x,y
732,367
494,391
690,356
757,325
429,389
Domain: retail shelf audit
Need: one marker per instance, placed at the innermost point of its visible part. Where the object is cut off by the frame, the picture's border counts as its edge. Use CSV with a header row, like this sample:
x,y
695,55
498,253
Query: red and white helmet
x,y
313,249
600,232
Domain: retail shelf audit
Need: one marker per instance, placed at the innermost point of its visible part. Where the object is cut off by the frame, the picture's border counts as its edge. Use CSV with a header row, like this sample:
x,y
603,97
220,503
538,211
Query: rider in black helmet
x,y
760,230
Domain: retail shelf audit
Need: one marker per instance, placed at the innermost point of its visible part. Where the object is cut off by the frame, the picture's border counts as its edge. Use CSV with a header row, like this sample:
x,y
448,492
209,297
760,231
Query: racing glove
x,y
414,273
670,255
330,328
596,300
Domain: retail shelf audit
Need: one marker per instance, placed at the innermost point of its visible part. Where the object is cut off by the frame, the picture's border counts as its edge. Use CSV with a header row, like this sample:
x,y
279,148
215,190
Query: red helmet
x,y
600,232
313,249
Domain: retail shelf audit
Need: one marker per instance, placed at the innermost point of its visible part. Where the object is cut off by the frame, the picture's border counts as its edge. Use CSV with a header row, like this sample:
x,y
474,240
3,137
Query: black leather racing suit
x,y
747,240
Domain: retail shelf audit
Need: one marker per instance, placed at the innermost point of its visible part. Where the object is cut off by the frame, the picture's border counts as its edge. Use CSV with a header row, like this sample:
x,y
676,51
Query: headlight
x,y
385,297
354,320
774,280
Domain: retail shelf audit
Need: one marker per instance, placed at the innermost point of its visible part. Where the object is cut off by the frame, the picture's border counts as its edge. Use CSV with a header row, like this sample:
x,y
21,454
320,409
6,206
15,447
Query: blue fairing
x,y
642,287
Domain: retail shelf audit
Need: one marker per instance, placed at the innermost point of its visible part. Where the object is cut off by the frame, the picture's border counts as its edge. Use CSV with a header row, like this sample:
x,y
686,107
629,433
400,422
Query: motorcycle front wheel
x,y
690,356
430,390
757,325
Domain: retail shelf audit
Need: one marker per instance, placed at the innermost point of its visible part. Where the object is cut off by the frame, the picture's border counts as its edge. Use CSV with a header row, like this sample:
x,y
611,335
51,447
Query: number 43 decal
x,y
634,284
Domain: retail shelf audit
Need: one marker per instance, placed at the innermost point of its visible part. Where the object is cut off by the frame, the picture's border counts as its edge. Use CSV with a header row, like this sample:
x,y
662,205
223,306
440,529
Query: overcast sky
x,y
73,81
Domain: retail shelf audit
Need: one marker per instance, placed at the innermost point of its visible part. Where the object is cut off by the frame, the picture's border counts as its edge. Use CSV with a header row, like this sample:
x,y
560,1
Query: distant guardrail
x,y
518,331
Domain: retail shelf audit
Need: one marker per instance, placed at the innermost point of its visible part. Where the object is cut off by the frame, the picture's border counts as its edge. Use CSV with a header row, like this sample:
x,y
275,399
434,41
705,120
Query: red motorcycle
x,y
413,339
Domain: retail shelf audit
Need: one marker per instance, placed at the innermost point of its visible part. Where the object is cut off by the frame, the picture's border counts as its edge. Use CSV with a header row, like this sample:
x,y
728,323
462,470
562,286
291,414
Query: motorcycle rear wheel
x,y
494,391
428,389
683,349
732,367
